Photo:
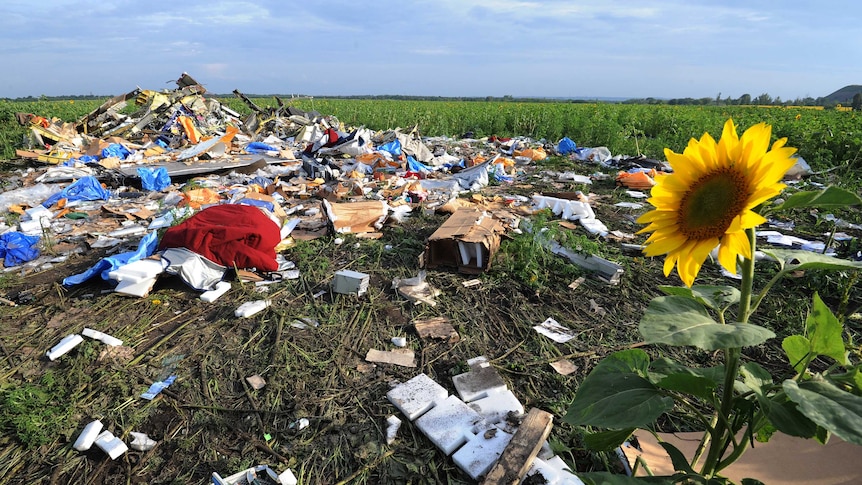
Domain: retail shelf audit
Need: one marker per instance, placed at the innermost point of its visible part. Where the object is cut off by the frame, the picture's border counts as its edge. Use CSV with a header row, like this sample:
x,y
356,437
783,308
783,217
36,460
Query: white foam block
x,y
478,382
88,436
111,445
449,424
566,476
137,271
417,396
477,456
135,288
68,343
497,404
212,295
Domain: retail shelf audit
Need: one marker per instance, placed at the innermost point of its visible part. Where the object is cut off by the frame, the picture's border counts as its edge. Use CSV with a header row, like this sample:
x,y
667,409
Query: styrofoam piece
x,y
553,471
449,424
88,436
594,226
212,295
137,271
141,442
477,456
497,404
102,337
68,343
287,478
110,444
134,230
478,382
393,424
416,396
567,209
251,308
350,282
135,288
399,341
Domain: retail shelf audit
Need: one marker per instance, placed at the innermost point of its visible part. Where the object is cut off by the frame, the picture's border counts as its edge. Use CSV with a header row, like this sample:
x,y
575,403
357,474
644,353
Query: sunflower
x,y
709,198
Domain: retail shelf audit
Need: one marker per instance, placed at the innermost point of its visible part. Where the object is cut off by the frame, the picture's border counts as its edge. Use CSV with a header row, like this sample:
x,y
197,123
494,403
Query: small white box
x,y
350,282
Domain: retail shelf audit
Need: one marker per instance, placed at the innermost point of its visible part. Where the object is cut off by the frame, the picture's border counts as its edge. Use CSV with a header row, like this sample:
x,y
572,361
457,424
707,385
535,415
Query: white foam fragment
x,y
135,288
88,436
497,404
137,271
477,456
393,424
449,424
102,337
416,396
251,308
110,444
220,289
68,343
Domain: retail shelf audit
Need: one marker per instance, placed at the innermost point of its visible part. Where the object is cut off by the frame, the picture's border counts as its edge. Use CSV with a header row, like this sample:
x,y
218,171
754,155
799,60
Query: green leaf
x,y
797,349
676,320
632,360
803,260
688,384
838,411
825,332
715,297
605,478
621,400
664,366
607,440
677,459
830,197
782,413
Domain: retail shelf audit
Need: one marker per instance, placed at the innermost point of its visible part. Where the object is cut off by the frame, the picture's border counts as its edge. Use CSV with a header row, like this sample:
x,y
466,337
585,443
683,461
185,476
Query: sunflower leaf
x,y
827,405
826,332
715,297
607,440
620,400
830,197
677,320
802,260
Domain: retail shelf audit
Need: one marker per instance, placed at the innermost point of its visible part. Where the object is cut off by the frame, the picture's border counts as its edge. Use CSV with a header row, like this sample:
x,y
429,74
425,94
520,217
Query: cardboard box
x,y
467,240
784,459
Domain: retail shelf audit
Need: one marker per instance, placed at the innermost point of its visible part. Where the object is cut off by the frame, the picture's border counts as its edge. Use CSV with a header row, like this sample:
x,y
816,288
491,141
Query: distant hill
x,y
845,94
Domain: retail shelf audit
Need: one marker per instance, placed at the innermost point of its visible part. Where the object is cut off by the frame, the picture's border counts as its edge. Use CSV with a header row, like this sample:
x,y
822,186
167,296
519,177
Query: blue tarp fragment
x,y
17,248
146,248
85,188
154,180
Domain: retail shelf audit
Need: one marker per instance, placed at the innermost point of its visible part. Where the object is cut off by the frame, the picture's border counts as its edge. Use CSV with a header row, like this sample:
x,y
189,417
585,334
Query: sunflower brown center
x,y
711,203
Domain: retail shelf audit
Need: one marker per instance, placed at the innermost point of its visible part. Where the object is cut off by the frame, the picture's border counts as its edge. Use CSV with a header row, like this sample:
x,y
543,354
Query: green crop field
x,y
827,139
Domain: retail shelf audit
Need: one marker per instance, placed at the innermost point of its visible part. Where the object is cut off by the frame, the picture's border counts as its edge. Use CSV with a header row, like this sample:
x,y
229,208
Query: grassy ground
x,y
211,419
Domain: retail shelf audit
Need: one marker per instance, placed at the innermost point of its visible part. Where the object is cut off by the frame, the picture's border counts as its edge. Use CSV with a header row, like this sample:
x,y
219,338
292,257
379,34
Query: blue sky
x,y
620,48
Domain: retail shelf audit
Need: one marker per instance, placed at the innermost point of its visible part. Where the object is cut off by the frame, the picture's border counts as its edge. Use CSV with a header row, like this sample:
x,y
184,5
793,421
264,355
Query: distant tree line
x,y
746,100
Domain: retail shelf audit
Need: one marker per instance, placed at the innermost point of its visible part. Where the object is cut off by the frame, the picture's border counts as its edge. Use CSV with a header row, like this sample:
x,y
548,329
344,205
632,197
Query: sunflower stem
x,y
723,431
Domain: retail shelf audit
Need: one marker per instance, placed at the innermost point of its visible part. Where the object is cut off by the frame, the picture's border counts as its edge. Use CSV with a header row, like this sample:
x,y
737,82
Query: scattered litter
x,y
553,330
402,357
111,445
467,240
141,442
595,308
102,337
438,328
564,367
68,343
220,289
300,424
393,424
471,283
157,387
258,475
348,282
416,289
251,308
256,382
636,194
629,205
399,341
578,282
88,436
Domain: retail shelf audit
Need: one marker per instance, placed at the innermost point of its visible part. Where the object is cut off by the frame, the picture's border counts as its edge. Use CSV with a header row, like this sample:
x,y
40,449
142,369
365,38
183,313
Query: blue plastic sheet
x,y
17,248
417,166
146,248
85,188
115,150
86,160
157,387
258,147
154,180
566,146
393,147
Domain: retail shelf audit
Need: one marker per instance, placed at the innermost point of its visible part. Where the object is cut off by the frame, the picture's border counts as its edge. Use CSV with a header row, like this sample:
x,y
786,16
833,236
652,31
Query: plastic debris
x,y
68,343
141,442
251,308
157,387
88,436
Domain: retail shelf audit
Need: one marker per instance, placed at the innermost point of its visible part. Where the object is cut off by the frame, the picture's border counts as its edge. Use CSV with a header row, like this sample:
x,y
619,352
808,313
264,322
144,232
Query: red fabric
x,y
230,235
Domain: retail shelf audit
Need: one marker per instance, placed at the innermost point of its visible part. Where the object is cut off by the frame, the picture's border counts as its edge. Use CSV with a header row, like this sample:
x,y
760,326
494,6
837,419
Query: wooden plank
x,y
522,449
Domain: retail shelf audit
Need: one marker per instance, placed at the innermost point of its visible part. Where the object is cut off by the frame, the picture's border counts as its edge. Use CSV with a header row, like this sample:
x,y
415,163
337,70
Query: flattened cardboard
x,y
356,217
784,459
465,228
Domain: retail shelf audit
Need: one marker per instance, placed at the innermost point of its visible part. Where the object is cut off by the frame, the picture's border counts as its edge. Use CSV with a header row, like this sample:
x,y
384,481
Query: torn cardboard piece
x,y
467,240
437,328
784,459
356,217
402,357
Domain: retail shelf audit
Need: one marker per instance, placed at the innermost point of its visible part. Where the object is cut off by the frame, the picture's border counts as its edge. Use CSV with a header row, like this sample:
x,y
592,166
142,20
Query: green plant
x,y
628,390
